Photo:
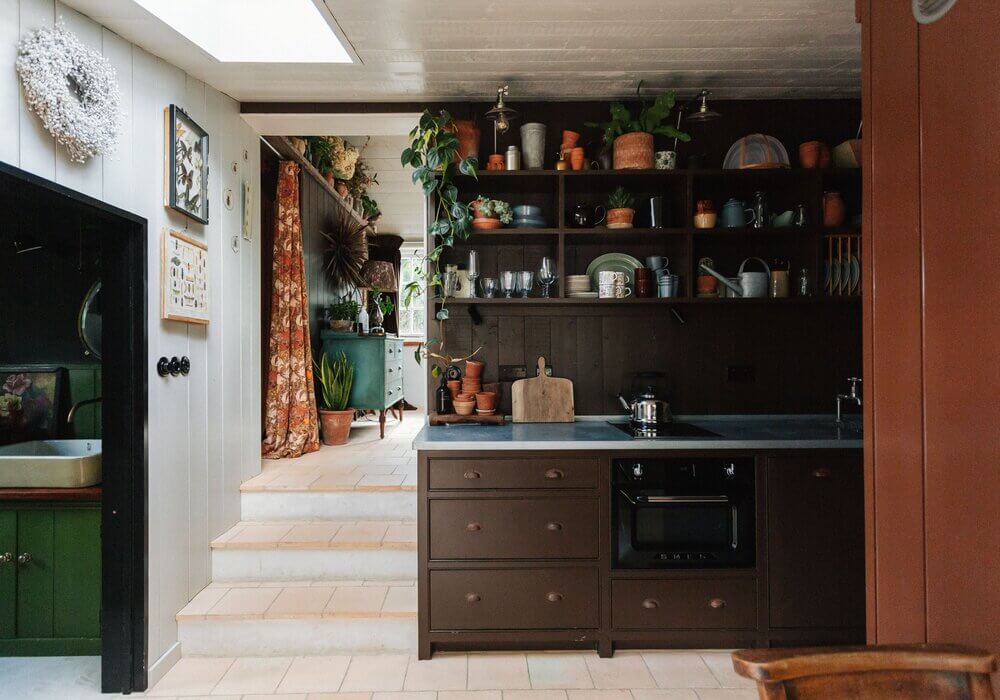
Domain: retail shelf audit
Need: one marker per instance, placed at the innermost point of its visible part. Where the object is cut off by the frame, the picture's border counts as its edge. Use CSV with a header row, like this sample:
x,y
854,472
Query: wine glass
x,y
525,281
489,285
507,283
473,271
547,275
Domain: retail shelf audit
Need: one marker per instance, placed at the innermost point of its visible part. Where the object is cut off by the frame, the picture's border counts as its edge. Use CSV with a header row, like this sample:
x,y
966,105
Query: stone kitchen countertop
x,y
796,432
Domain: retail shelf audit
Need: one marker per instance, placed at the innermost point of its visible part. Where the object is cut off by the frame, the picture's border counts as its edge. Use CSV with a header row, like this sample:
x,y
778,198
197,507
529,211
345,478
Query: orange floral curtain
x,y
290,422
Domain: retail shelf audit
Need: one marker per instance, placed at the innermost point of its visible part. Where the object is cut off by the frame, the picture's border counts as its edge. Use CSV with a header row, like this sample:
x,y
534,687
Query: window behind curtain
x,y
411,316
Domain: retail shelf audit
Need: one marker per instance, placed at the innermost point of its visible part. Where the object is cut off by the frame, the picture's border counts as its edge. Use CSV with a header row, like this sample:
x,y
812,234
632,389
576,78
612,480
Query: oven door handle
x,y
668,500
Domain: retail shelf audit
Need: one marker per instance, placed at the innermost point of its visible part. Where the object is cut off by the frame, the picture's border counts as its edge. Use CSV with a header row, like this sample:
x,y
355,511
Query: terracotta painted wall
x,y
932,179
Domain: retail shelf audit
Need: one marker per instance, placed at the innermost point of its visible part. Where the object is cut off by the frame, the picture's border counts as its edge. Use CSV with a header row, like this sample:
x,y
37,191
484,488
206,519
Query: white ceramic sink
x,y
64,464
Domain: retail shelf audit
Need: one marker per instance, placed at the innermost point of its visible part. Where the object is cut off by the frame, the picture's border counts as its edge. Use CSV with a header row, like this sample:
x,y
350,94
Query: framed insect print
x,y
186,161
183,278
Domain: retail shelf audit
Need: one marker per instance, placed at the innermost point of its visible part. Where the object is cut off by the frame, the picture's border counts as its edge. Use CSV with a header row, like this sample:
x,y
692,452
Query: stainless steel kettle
x,y
646,409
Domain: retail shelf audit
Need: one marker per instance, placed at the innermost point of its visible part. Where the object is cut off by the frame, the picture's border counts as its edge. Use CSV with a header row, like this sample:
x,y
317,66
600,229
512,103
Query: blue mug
x,y
734,214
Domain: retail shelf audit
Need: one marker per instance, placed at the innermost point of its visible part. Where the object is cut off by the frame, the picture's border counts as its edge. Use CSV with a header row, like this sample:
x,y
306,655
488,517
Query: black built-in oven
x,y
683,512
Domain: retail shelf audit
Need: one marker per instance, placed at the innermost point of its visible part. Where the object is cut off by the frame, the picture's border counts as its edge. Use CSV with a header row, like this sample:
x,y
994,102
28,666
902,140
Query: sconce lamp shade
x,y
379,274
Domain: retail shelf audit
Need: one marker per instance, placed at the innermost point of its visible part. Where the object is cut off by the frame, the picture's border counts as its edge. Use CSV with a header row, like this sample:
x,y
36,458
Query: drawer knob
x,y
554,474
554,597
651,603
717,603
23,559
554,527
821,473
472,474
472,597
6,558
473,527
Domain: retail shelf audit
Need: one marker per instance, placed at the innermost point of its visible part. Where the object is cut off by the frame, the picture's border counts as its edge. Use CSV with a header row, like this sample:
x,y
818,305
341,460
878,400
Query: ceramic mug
x,y
735,214
665,160
612,277
614,291
656,262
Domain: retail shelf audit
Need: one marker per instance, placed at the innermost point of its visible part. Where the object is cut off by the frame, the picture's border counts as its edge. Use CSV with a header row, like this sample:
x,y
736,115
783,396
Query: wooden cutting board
x,y
542,399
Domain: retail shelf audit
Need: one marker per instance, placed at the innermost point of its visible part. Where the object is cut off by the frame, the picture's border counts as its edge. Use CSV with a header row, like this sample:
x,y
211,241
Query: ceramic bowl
x,y
783,220
465,408
527,211
521,222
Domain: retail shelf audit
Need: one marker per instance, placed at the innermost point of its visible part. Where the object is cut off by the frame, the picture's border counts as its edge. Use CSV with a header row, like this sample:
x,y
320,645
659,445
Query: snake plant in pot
x,y
335,381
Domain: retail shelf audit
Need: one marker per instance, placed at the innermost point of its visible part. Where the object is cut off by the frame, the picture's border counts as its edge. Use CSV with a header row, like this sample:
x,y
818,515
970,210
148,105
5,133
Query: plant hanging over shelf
x,y
432,155
650,119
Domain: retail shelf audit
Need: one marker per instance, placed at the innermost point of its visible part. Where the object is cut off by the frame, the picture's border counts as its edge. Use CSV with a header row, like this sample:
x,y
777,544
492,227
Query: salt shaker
x,y
513,158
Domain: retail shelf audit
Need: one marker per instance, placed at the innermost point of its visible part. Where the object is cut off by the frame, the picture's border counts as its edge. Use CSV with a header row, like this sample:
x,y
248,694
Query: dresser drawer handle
x,y
717,603
651,603
472,598
473,527
554,474
821,473
472,474
554,527
390,370
554,597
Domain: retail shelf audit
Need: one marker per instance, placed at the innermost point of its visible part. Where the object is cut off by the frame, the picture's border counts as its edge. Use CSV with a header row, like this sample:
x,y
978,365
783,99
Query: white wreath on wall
x,y
72,89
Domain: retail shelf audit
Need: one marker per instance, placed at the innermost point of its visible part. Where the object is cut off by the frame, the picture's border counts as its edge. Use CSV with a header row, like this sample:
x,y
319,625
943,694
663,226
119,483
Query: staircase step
x,y
300,618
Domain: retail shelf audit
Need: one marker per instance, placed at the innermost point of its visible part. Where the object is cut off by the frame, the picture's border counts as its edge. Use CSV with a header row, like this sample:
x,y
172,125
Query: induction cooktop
x,y
663,431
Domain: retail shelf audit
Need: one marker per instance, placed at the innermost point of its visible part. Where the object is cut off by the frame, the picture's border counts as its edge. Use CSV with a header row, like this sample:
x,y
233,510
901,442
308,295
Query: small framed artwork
x,y
186,165
184,279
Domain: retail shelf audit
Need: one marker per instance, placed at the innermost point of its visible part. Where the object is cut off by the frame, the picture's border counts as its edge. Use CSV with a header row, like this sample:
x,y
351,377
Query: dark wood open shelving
x,y
636,301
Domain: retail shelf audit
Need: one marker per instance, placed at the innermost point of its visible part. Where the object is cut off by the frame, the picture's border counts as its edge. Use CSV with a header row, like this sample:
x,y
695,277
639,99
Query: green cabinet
x,y
50,578
378,368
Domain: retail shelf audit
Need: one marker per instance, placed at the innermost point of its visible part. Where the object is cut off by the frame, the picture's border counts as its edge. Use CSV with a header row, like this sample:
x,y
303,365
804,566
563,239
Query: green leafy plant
x,y
369,207
431,154
620,199
344,310
649,120
494,209
383,302
319,151
335,381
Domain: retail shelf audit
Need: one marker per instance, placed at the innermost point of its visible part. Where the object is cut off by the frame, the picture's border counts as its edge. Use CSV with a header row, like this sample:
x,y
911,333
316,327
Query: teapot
x,y
645,409
586,216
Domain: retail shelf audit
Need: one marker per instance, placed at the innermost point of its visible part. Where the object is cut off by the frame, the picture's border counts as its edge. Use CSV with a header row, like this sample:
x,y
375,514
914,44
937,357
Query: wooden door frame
x,y
124,502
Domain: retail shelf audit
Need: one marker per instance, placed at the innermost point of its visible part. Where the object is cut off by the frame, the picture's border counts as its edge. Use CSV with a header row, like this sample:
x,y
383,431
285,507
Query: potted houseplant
x,y
383,307
633,137
320,154
620,209
343,314
335,381
490,213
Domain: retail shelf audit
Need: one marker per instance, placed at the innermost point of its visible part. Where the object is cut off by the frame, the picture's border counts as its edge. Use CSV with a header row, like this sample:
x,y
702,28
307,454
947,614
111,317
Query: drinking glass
x,y
489,285
473,271
508,283
525,281
547,275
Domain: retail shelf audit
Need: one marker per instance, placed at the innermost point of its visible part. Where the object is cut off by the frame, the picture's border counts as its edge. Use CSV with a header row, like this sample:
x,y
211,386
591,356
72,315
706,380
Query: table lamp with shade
x,y
380,276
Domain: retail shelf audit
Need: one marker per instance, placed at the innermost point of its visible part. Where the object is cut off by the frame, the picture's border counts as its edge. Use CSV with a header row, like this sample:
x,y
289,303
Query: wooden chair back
x,y
927,672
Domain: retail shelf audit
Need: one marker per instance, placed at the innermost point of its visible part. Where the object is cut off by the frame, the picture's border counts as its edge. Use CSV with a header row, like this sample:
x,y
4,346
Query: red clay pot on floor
x,y
336,426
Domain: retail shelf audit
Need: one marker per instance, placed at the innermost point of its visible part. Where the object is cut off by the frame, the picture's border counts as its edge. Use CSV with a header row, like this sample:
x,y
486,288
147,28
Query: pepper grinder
x,y
473,272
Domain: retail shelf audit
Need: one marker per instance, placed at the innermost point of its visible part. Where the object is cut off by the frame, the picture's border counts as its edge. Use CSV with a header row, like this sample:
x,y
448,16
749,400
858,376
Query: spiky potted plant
x,y
335,380
620,209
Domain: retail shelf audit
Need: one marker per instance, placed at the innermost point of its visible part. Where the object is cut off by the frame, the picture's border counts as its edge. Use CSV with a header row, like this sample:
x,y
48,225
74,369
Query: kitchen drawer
x,y
524,528
514,473
684,604
514,599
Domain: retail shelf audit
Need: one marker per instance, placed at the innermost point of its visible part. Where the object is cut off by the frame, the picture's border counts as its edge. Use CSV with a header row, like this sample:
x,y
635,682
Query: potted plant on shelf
x,y
633,138
335,381
383,307
490,213
343,314
320,154
620,209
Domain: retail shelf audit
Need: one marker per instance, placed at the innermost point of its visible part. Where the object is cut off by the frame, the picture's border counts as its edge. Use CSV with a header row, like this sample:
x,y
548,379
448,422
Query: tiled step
x,y
330,550
396,503
249,618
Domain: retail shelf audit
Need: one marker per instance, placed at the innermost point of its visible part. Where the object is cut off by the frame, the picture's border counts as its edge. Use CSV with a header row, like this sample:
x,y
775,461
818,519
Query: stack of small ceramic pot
x,y
569,141
472,382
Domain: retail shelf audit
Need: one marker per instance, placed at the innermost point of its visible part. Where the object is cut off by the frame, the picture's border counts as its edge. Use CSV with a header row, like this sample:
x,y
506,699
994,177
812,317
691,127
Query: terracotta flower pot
x,y
620,218
634,151
468,138
336,426
570,138
483,224
577,158
474,369
496,162
824,156
340,186
834,211
454,386
465,408
486,400
707,284
809,154
465,396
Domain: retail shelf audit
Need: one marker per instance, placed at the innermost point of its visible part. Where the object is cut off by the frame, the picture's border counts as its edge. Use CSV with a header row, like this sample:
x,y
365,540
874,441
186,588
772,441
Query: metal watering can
x,y
752,284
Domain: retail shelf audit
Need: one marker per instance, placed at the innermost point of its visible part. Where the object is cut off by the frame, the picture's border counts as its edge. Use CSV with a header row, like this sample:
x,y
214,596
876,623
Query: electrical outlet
x,y
548,371
741,374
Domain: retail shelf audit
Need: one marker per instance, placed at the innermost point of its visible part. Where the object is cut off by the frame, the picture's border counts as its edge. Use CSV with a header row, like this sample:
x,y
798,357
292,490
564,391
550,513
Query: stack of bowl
x,y
528,216
579,286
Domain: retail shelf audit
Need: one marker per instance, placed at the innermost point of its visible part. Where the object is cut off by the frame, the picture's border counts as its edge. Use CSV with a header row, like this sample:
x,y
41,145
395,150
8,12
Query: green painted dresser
x,y
50,577
378,369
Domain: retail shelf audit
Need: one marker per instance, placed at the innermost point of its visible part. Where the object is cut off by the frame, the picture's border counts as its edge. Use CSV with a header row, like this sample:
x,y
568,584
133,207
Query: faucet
x,y
851,396
78,404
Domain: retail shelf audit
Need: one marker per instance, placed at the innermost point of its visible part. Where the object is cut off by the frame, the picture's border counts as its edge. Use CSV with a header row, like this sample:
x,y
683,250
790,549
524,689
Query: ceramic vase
x,y
634,151
468,138
809,154
620,218
834,212
533,145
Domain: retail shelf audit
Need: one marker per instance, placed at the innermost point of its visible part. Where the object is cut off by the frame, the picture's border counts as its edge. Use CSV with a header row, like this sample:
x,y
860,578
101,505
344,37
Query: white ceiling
x,y
551,49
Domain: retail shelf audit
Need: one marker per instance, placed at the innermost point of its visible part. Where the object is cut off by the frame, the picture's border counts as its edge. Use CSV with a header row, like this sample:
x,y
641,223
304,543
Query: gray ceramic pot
x,y
533,145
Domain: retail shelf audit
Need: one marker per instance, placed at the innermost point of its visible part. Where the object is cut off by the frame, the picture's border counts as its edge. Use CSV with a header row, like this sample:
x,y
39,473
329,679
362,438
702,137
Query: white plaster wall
x,y
204,430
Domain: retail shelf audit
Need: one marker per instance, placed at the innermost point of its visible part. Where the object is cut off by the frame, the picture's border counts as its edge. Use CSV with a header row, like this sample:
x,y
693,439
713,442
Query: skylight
x,y
255,31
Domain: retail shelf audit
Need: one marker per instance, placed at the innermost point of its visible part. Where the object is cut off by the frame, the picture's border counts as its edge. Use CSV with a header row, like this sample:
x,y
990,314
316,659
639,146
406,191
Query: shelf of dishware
x,y
639,301
749,173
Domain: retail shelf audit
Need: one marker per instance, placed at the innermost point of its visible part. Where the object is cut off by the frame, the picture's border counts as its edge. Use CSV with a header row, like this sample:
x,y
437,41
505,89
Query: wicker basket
x,y
634,151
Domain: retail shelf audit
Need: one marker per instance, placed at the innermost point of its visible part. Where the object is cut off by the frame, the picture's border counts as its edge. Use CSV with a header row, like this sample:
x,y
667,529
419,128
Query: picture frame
x,y
185,164
184,289
31,402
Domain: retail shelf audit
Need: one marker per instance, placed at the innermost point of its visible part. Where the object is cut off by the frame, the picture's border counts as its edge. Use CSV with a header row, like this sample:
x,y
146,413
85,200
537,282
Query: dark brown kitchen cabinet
x,y
815,539
518,472
728,603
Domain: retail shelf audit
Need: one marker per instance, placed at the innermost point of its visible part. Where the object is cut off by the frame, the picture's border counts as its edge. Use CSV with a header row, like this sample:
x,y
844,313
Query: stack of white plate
x,y
579,286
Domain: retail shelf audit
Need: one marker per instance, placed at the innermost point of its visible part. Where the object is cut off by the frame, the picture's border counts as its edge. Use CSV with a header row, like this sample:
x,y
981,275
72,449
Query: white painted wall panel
x,y
204,430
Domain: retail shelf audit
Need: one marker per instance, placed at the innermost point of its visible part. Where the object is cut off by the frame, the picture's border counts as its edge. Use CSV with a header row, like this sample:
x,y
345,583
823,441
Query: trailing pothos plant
x,y
431,154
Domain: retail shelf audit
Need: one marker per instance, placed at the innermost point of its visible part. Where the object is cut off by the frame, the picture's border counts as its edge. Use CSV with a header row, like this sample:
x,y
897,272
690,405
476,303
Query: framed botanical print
x,y
183,278
186,161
